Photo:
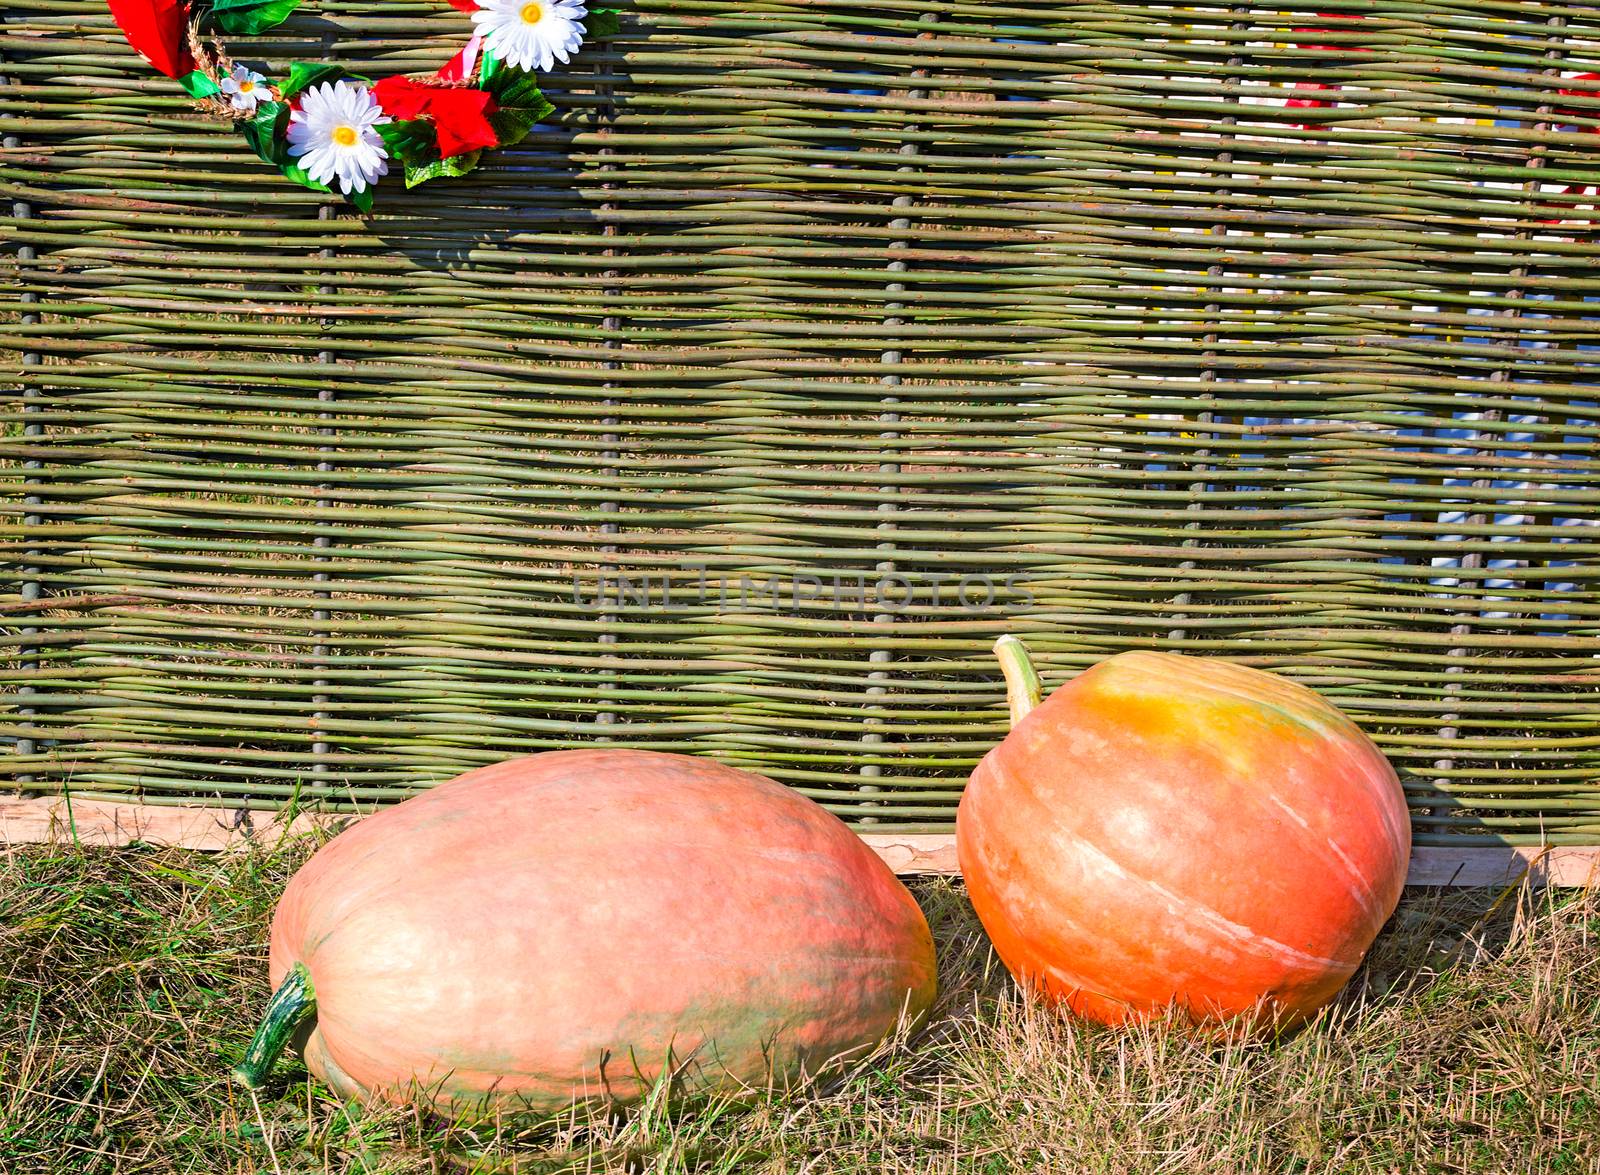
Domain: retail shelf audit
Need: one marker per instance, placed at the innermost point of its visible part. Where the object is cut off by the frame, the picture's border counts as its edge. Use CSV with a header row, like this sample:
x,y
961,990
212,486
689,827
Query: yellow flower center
x,y
345,136
246,86
531,13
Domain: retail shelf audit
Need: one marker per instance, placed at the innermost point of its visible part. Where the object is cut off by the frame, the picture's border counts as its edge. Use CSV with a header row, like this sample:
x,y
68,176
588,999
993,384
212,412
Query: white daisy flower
x,y
331,134
529,33
245,88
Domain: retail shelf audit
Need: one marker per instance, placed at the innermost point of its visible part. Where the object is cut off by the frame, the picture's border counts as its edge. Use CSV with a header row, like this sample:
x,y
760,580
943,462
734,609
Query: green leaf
x,y
414,142
298,174
252,16
602,22
264,132
198,85
305,74
515,87
362,199
489,67
521,104
454,166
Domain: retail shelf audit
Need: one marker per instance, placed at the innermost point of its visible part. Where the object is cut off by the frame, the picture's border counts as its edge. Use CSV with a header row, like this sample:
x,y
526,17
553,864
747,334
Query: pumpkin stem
x,y
1023,690
294,1000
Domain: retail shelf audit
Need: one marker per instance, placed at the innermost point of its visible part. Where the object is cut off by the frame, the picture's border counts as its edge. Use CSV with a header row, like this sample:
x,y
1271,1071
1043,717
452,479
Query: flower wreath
x,y
324,126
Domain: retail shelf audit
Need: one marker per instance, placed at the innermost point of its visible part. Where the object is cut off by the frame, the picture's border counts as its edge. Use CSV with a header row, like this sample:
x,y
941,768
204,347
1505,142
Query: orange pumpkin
x,y
567,925
1171,830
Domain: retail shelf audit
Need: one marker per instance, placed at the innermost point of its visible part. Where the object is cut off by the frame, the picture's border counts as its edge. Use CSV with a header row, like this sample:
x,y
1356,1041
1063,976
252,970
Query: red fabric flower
x,y
401,98
460,116
158,29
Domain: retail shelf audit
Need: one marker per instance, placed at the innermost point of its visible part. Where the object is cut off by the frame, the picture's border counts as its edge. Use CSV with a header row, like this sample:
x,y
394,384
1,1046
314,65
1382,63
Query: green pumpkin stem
x,y
294,1000
1023,689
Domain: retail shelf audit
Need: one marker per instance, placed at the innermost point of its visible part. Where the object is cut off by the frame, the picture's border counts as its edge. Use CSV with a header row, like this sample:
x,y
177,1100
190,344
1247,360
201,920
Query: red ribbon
x,y
158,29
464,64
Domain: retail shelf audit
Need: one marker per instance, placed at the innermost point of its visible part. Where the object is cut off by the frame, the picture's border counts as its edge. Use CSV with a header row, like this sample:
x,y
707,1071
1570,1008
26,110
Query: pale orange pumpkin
x,y
1173,830
568,925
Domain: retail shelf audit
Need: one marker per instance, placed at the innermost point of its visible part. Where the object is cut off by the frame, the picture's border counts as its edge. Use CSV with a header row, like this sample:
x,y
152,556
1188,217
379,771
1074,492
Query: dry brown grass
x,y
130,980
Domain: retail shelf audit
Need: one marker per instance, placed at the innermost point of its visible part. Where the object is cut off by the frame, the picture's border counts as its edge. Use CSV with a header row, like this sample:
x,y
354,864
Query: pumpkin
x,y
1168,830
575,924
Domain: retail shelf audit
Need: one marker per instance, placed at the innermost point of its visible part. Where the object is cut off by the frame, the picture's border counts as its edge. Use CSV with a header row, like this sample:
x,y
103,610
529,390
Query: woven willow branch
x,y
1316,389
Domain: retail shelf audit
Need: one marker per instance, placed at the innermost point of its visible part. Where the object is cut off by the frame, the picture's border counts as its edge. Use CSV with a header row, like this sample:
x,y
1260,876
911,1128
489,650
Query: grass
x,y
130,981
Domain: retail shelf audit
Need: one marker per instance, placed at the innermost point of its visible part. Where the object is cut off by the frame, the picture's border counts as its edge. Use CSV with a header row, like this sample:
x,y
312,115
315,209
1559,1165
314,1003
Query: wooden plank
x,y
50,819
1559,865
928,853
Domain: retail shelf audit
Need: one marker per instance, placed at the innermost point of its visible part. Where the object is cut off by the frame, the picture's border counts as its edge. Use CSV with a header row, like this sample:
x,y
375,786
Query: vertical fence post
x,y
878,679
610,439
1538,155
1208,369
323,541
31,588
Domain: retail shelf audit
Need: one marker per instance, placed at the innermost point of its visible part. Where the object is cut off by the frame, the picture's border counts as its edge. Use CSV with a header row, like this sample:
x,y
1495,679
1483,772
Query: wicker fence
x,y
812,345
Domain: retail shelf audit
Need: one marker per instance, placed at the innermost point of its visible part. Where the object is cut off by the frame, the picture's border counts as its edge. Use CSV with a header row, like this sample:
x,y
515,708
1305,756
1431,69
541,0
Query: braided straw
x,y
214,62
